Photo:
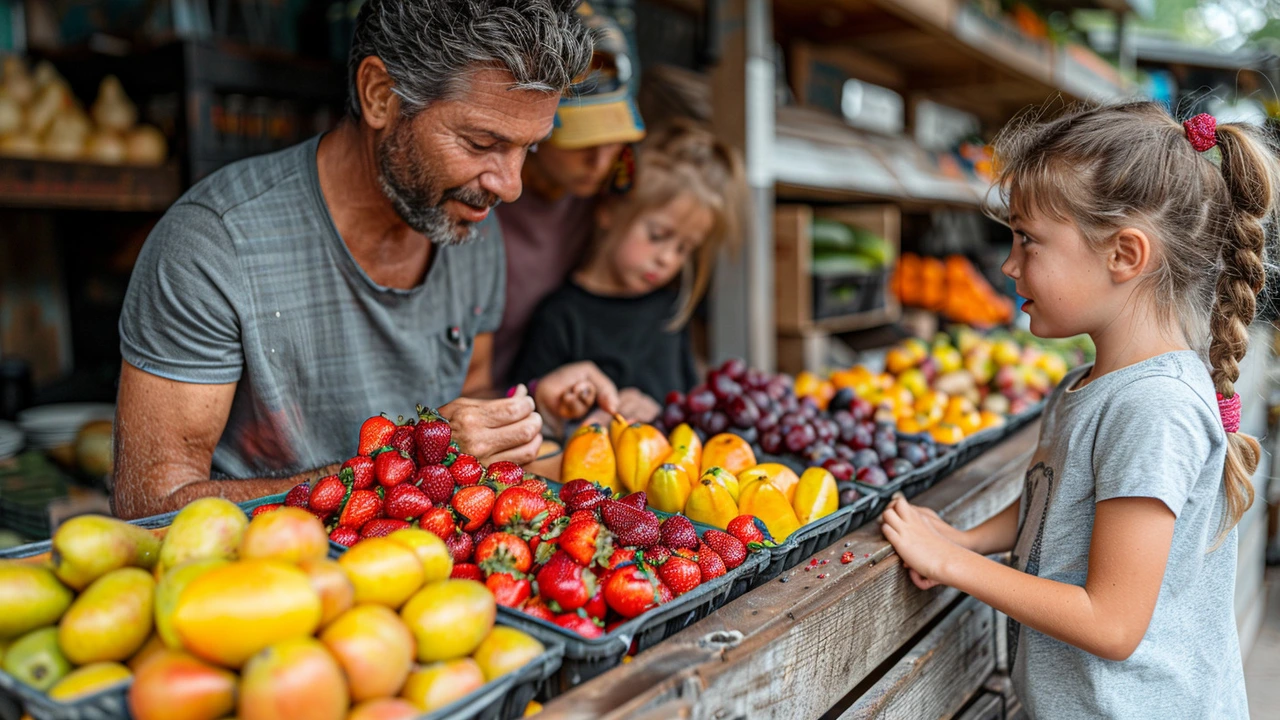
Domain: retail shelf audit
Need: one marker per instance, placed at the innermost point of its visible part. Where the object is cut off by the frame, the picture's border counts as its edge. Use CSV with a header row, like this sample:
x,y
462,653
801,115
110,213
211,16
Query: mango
x,y
724,479
437,562
89,546
289,534
436,685
762,499
589,455
88,680
640,449
710,504
384,709
178,686
505,650
383,571
149,650
374,649
686,450
30,597
208,528
230,613
292,679
36,659
728,451
449,619
170,587
816,496
616,427
669,488
782,477
111,619
330,581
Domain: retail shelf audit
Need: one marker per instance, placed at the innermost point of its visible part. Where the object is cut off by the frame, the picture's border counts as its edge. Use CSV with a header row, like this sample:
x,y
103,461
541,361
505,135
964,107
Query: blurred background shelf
x,y
83,186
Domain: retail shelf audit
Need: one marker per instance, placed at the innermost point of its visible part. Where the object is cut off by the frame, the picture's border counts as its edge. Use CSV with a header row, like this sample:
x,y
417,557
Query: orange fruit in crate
x,y
990,420
728,451
807,384
913,424
826,391
969,423
946,433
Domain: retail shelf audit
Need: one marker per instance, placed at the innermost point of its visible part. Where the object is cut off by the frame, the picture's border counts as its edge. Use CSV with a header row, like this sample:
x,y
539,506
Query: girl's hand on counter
x,y
916,537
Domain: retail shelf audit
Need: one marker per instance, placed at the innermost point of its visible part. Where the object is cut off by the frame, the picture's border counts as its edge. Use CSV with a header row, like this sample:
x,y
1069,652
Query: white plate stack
x,y
11,440
51,426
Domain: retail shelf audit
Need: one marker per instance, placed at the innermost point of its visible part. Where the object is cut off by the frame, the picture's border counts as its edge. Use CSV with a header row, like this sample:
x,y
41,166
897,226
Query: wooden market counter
x,y
861,642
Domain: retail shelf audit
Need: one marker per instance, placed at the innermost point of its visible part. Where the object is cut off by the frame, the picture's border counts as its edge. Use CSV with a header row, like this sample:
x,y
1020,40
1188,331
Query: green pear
x,y
206,528
32,597
89,546
171,585
111,619
36,659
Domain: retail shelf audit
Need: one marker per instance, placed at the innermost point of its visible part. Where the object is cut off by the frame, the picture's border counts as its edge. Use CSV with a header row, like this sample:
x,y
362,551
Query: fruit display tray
x,y
506,697
586,658
817,535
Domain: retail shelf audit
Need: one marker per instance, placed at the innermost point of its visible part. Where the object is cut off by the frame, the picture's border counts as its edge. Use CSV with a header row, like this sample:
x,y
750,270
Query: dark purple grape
x,y
749,434
913,453
800,437
767,421
841,400
777,389
675,397
789,403
862,438
673,415
734,368
717,423
742,412
700,401
844,452
760,399
930,448
771,441
845,425
702,421
861,409
725,388
841,469
848,493
809,406
818,453
896,468
872,475
823,432
865,458
755,379
886,450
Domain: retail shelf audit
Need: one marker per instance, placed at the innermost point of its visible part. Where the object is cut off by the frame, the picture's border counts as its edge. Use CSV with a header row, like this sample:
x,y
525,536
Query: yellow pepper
x,y
669,488
780,475
710,504
816,495
724,479
589,456
640,449
686,450
765,501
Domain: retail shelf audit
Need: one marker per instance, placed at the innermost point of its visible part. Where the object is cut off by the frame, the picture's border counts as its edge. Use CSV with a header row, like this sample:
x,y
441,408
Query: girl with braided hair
x,y
1150,236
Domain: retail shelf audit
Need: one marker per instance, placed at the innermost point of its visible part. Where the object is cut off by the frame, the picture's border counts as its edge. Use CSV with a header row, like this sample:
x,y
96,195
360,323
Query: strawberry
x,y
634,528
519,511
361,507
655,556
503,473
466,470
460,547
547,541
686,553
584,626
299,496
473,505
321,515
392,467
263,509
537,607
436,482
451,456
402,440
631,591
535,485
438,521
584,515
636,500
381,527
565,582
361,472
680,574
507,590
750,529
677,532
374,433
503,552
347,536
596,608
432,436
729,548
328,495
483,532
712,564
620,557
555,511
467,571
587,542
406,502
582,495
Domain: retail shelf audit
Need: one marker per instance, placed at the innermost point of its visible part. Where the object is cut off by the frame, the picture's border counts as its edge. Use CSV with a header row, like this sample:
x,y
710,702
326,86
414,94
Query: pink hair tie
x,y
1229,408
1202,131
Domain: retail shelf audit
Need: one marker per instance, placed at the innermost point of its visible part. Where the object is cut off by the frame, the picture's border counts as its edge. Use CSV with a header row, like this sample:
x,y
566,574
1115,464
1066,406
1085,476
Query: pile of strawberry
x,y
611,560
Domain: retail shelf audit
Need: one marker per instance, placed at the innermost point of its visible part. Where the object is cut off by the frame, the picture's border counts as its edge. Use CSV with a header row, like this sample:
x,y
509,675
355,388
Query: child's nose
x,y
1010,267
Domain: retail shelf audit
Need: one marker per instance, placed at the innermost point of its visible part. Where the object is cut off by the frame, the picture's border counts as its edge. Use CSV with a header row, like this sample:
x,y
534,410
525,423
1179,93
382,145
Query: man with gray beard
x,y
286,298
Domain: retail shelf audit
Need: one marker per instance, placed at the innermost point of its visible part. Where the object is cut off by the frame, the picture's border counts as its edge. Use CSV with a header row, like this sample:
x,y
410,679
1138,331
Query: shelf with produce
x,y
50,184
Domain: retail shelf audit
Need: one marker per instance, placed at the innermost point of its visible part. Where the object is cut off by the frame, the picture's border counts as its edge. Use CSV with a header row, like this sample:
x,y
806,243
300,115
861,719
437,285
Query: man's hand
x,y
633,405
494,430
570,391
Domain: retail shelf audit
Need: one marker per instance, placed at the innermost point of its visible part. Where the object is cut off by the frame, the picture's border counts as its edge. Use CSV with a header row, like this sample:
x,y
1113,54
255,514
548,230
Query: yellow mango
x,y
589,456
816,495
728,451
686,450
765,501
724,479
669,488
782,477
616,426
710,504
640,449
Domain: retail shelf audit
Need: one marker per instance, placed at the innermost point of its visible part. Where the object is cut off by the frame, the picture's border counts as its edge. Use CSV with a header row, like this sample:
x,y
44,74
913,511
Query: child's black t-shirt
x,y
625,337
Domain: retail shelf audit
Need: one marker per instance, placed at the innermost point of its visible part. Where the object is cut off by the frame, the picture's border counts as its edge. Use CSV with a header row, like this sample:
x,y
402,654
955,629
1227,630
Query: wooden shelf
x,y
47,184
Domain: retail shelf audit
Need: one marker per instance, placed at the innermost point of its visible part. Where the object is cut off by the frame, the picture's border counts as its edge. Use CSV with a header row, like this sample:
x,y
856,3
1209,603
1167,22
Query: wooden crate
x,y
793,282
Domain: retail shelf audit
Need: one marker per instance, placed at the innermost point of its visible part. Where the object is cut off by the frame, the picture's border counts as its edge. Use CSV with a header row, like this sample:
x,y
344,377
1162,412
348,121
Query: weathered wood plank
x,y
988,706
807,641
938,676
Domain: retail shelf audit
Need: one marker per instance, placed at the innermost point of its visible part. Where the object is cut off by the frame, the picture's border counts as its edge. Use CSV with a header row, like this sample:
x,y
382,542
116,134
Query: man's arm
x,y
165,434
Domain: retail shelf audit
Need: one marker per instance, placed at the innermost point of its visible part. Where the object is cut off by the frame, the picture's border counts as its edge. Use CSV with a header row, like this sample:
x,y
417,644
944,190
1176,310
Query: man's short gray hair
x,y
430,47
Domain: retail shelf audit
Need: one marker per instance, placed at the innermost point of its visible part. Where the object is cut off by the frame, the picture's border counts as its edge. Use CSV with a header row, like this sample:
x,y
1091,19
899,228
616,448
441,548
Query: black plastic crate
x,y
817,535
506,697
848,294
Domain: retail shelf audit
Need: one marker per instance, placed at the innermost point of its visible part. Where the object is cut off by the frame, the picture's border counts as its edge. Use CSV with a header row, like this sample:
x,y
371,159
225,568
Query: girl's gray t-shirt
x,y
1148,430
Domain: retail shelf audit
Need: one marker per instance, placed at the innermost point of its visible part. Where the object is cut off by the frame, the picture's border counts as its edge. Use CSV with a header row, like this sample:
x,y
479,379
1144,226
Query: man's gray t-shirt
x,y
1148,430
245,279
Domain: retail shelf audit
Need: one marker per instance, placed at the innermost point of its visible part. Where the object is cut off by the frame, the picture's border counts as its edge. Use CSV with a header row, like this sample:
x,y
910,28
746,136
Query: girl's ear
x,y
1129,255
